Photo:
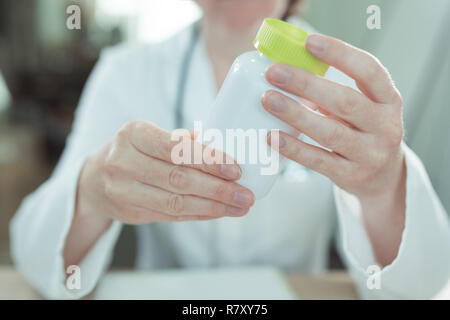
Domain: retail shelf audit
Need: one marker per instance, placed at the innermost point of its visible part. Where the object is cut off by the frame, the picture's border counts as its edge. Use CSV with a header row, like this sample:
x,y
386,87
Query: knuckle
x,y
112,158
316,163
113,162
151,176
127,130
118,147
175,203
299,115
123,132
178,178
347,106
301,84
354,147
296,152
109,190
333,139
394,136
137,125
372,69
133,129
221,191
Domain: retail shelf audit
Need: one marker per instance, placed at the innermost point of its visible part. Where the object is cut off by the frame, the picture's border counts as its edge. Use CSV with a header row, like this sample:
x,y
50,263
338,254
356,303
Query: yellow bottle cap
x,y
284,43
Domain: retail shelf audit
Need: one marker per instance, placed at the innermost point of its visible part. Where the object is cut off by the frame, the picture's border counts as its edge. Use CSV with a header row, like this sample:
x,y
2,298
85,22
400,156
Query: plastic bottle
x,y
238,104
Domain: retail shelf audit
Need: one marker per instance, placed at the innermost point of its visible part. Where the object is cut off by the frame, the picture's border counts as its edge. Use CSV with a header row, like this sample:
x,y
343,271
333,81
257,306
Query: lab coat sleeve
x,y
40,227
422,266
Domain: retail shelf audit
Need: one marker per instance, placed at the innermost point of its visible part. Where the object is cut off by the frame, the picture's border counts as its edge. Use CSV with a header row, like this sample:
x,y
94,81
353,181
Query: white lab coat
x,y
291,228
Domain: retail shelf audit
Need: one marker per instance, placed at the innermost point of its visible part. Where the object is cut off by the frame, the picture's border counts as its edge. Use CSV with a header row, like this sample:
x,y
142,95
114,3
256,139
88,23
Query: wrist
x,y
391,197
87,206
87,224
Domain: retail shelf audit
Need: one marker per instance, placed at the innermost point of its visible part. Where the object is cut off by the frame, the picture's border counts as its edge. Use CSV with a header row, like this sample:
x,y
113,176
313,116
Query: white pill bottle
x,y
238,124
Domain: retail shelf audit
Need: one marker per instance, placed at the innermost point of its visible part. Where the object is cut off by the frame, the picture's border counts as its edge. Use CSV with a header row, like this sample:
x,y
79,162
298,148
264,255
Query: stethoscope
x,y
183,75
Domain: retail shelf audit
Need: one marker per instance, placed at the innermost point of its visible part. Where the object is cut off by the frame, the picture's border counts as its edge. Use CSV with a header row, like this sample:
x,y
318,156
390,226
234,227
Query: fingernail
x,y
274,102
243,198
230,171
316,43
235,211
279,75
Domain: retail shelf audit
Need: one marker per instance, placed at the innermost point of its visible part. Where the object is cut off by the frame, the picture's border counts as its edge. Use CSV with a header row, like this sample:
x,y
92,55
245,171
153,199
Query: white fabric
x,y
291,228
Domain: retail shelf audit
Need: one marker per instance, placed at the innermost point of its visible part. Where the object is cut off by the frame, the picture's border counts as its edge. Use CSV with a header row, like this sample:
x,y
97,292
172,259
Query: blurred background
x,y
43,68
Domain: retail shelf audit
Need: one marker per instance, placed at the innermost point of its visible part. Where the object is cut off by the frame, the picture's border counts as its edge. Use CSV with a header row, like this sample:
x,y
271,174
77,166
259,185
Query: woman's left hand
x,y
363,130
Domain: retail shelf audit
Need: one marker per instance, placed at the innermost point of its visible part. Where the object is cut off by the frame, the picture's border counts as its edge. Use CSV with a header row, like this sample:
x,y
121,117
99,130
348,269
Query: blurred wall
x,y
45,67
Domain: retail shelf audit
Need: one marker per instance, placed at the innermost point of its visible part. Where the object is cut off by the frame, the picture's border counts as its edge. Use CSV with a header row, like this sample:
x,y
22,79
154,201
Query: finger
x,y
174,204
129,193
328,132
158,143
188,181
137,215
343,101
370,75
322,161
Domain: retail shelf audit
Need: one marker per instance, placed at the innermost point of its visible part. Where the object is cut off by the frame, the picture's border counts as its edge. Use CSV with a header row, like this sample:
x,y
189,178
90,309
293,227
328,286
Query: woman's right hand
x,y
133,180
